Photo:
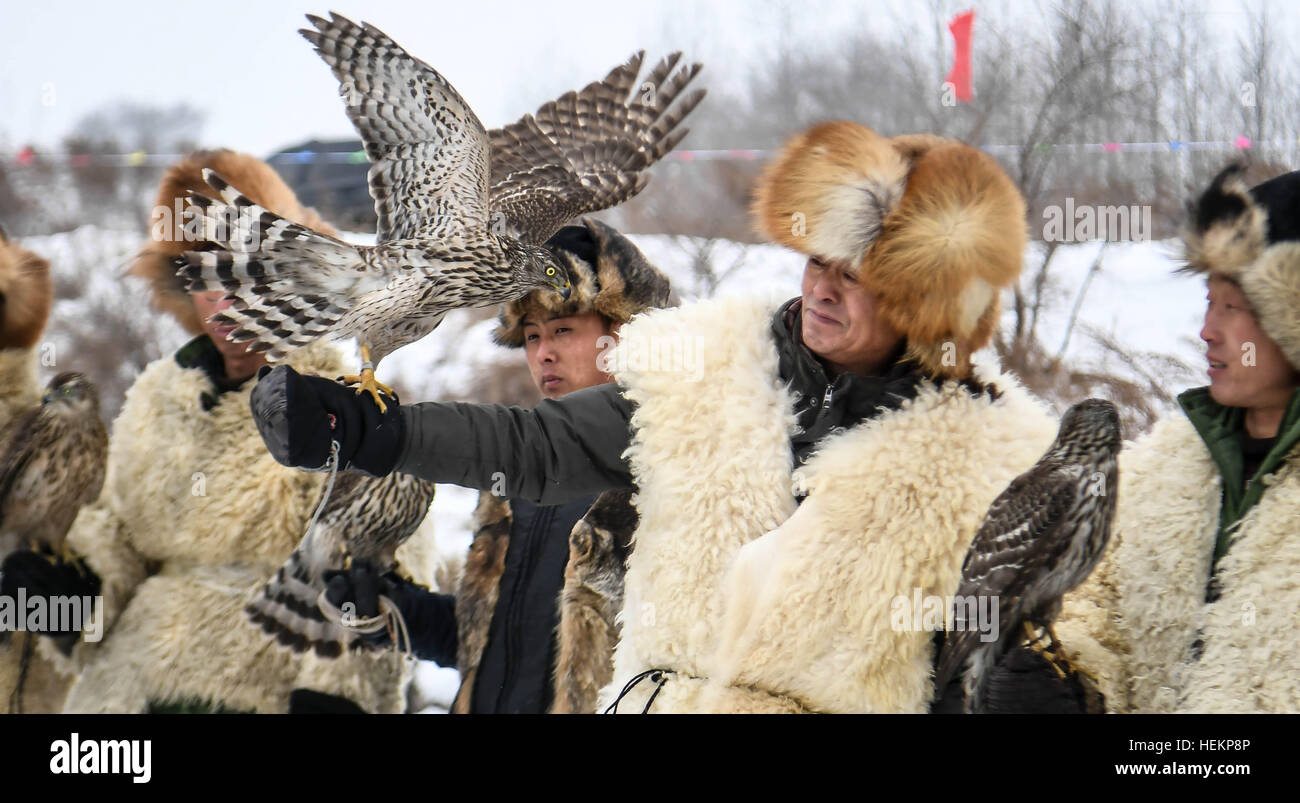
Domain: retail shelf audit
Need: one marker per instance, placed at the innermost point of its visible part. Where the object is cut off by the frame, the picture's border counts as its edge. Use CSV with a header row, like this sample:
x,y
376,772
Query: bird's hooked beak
x,y
558,278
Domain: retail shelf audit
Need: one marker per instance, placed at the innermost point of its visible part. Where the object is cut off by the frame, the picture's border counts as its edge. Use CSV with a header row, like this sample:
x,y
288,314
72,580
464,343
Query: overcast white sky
x,y
263,87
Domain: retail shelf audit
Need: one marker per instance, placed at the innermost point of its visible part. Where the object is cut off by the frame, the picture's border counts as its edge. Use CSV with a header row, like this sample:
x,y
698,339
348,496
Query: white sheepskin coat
x,y
194,516
758,604
1134,622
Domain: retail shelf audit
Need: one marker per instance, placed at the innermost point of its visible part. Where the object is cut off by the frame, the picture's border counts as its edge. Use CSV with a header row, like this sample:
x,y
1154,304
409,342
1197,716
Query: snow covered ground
x,y
1133,298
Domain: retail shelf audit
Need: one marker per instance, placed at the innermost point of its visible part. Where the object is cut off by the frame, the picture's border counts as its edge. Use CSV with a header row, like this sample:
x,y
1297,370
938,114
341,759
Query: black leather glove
x,y
360,587
298,416
430,617
42,575
1025,682
307,701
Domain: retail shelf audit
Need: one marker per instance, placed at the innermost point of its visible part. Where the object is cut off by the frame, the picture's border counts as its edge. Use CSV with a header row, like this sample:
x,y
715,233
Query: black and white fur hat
x,y
609,275
1252,236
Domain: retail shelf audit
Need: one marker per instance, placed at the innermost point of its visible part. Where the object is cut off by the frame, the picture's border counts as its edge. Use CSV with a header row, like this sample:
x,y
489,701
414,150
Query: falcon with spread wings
x,y
463,212
1041,537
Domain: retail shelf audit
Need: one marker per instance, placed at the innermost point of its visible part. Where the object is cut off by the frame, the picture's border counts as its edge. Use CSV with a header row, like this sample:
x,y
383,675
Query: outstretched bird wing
x,y
429,176
588,150
1009,553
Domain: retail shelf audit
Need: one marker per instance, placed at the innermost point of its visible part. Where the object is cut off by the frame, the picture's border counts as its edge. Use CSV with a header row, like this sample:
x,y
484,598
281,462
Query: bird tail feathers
x,y
288,282
286,607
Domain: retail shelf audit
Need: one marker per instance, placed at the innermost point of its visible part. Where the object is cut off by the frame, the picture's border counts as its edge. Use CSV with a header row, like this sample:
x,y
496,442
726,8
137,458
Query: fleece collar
x,y
202,353
1220,428
825,404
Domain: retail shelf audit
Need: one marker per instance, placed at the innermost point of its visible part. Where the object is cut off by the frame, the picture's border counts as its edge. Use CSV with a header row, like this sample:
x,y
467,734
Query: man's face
x,y
207,304
1246,367
562,352
840,323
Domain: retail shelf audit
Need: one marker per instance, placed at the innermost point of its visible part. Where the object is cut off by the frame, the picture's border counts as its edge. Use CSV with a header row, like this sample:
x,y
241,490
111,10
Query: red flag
x,y
959,76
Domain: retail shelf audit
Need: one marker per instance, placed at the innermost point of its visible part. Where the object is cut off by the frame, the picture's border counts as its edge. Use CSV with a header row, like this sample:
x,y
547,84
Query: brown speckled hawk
x,y
1041,537
52,461
364,519
463,212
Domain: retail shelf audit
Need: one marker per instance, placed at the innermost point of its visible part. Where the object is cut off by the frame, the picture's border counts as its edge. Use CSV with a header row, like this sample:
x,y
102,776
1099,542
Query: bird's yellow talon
x,y
367,383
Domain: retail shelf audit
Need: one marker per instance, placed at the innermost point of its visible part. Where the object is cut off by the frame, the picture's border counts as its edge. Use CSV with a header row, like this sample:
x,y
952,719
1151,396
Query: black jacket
x,y
514,671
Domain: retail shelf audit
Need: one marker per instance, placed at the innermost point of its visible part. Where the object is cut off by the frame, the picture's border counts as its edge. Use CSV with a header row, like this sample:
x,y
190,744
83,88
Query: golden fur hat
x,y
26,295
934,227
608,273
253,177
1252,236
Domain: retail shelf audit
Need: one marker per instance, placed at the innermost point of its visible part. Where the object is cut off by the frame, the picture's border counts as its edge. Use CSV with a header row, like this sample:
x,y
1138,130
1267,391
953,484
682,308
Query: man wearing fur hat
x,y
531,627
194,515
1195,606
823,462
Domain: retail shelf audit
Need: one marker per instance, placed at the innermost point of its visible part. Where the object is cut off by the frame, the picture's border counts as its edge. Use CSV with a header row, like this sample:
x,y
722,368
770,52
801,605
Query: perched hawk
x,y
52,461
1041,537
463,212
364,518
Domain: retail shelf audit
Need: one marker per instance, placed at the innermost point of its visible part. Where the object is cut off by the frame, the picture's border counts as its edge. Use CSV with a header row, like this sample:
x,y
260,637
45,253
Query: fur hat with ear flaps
x,y
156,262
26,294
934,228
609,275
1252,236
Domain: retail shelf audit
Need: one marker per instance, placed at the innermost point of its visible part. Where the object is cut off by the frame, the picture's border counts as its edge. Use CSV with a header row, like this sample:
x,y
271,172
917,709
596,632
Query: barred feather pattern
x,y
429,176
462,212
365,518
589,150
292,285
1041,537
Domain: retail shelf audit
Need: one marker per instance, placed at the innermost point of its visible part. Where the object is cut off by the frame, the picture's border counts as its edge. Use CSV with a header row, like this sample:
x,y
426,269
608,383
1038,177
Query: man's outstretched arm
x,y
560,450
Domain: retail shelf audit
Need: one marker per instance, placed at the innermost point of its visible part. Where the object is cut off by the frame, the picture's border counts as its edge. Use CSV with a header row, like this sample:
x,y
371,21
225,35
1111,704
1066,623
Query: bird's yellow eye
x,y
550,271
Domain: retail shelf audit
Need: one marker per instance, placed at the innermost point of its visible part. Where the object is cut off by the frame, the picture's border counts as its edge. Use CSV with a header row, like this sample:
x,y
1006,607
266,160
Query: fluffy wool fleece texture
x,y
254,178
195,515
44,688
759,606
1133,623
935,229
